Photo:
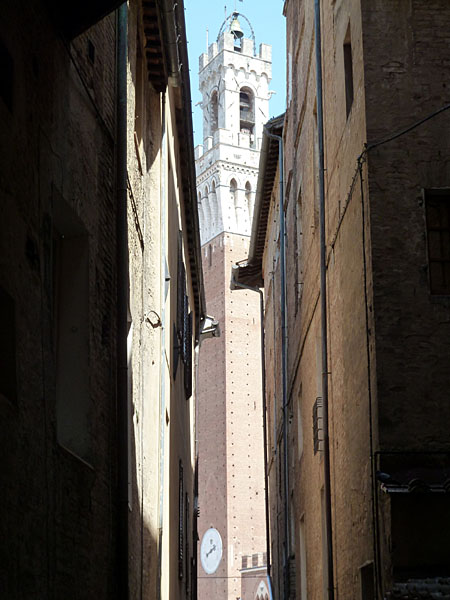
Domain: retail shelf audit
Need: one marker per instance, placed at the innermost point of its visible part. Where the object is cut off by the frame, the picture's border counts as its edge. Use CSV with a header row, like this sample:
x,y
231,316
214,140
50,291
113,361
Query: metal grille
x,y
318,425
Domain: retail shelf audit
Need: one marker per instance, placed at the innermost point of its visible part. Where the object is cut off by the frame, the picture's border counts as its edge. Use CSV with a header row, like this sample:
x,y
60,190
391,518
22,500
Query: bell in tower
x,y
235,27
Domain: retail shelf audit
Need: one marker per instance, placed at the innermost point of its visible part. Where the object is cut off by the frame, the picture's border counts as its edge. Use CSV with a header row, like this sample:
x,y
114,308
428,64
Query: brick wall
x,y
57,156
387,335
231,476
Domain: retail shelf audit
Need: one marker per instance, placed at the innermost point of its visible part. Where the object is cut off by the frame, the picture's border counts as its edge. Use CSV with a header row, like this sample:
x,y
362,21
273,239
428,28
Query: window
x,y
318,425
91,51
348,71
234,203
214,209
437,207
71,327
246,111
303,575
6,80
367,582
201,217
214,112
187,555
300,426
207,209
188,352
325,592
183,329
297,248
249,200
139,101
233,189
181,300
180,521
8,387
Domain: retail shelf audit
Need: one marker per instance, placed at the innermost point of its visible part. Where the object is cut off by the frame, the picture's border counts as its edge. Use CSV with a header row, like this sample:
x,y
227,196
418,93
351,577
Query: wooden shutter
x,y
181,293
186,523
188,357
180,521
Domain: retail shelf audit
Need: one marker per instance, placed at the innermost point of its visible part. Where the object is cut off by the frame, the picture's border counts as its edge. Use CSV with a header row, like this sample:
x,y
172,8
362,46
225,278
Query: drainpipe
x,y
122,301
283,359
162,400
235,284
323,307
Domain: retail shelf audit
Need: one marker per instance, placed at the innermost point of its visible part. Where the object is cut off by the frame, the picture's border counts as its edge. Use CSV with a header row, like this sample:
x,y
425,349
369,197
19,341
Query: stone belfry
x,y
234,82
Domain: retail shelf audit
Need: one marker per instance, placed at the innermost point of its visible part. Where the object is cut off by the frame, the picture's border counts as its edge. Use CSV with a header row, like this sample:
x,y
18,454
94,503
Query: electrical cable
x,y
408,129
86,89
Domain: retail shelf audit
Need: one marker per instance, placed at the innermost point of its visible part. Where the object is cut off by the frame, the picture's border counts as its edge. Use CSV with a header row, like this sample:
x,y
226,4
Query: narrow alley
x,y
225,300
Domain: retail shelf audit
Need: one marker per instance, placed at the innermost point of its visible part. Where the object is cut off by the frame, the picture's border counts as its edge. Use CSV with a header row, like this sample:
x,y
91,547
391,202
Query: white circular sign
x,y
211,551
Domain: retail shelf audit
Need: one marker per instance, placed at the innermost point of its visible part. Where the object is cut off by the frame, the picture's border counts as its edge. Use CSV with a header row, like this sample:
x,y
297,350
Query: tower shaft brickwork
x,y
235,90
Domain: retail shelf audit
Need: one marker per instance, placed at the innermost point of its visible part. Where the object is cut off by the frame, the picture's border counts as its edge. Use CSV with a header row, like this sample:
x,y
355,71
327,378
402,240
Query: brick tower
x,y
234,82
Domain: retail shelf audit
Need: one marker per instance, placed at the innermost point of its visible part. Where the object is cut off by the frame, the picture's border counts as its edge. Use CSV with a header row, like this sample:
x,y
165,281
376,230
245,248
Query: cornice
x,y
222,165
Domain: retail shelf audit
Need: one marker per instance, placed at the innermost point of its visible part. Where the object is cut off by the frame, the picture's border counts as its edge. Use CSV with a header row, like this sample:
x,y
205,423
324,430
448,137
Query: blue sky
x,y
266,18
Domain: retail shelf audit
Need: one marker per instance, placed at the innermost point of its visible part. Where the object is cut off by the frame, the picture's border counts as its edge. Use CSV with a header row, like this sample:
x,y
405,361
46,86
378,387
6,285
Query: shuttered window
x,y
437,205
186,524
183,334
8,383
180,521
188,357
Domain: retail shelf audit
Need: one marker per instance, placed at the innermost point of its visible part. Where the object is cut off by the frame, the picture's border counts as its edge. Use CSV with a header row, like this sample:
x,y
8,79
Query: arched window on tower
x,y
213,205
233,204
200,210
206,211
246,111
249,201
214,112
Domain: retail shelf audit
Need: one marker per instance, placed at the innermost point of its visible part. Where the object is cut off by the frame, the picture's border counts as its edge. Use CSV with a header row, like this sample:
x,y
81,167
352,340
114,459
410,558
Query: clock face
x,y
211,550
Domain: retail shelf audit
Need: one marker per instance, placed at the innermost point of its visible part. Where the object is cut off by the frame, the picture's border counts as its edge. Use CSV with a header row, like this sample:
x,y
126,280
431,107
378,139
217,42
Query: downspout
x,y
195,537
283,358
162,400
264,408
323,307
122,301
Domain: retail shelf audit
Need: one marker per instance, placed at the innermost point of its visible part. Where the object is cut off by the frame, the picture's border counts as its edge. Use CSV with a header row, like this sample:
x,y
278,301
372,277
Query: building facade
x,y
166,304
384,209
234,82
102,302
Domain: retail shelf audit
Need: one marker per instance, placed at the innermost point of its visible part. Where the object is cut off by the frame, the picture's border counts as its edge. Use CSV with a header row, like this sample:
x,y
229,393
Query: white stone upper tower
x,y
234,83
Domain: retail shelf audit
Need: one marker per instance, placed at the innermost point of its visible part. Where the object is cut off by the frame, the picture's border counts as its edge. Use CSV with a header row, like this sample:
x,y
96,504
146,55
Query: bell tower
x,y
234,82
